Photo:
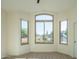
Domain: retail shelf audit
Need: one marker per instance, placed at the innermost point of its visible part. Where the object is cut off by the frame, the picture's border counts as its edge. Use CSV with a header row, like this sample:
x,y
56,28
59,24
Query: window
x,y
63,32
24,32
44,29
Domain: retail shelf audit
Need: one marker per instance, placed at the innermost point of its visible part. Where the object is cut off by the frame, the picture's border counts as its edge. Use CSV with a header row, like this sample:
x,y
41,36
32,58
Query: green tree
x,y
65,32
23,33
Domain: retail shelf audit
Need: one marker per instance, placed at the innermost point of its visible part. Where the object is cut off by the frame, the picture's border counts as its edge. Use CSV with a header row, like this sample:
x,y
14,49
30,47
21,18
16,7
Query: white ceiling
x,y
32,6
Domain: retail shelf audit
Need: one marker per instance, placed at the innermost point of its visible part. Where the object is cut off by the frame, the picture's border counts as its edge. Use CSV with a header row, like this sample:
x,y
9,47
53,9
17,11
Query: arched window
x,y
44,29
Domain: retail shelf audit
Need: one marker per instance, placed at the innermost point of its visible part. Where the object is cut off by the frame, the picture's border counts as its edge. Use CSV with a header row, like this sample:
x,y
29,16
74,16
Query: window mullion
x,y
44,29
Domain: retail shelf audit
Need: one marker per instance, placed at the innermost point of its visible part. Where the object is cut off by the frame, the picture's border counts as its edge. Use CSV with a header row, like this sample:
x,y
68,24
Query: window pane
x,y
39,31
44,29
48,31
64,32
24,32
44,17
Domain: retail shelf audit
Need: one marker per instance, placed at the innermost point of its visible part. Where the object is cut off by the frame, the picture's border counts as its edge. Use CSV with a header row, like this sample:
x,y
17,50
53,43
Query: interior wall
x,y
13,33
71,16
3,34
14,43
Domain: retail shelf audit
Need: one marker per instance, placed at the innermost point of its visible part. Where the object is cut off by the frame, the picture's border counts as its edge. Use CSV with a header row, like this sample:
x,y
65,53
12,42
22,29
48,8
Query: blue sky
x,y
40,27
44,17
24,24
63,25
48,27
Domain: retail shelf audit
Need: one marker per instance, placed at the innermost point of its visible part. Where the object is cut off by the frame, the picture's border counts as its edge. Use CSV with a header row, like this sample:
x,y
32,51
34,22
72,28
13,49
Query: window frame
x,y
60,32
44,30
20,31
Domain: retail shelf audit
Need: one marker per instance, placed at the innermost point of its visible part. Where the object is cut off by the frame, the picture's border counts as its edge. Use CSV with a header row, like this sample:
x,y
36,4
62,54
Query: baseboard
x,y
74,57
39,52
3,57
42,51
18,54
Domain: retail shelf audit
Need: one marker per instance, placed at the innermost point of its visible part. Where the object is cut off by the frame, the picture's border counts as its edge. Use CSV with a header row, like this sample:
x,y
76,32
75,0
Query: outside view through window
x,y
44,29
24,31
63,34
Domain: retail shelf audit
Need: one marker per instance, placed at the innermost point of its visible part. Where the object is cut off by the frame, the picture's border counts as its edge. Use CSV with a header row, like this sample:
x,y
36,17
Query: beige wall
x,y
13,23
71,16
3,34
13,33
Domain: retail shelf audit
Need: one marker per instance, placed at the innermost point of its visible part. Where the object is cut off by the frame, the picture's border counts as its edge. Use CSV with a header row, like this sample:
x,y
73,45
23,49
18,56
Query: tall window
x,y
64,32
44,29
24,32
